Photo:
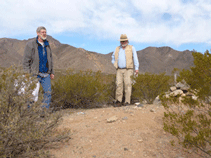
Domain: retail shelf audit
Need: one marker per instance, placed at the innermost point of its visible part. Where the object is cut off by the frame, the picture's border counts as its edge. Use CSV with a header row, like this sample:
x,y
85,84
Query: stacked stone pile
x,y
181,88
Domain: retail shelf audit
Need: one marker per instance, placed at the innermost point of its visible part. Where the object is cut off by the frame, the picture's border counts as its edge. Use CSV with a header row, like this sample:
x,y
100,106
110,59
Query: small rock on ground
x,y
112,119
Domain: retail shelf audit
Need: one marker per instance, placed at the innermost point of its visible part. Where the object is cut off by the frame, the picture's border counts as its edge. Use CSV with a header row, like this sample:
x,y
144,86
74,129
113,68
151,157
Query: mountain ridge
x,y
151,59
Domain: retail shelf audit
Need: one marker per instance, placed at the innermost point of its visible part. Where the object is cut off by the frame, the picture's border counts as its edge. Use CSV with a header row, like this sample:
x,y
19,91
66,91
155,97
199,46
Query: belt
x,y
125,68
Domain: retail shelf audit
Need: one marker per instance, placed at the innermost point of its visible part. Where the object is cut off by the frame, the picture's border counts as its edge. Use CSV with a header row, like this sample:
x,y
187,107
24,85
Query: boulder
x,y
167,96
157,100
177,92
194,97
173,88
182,86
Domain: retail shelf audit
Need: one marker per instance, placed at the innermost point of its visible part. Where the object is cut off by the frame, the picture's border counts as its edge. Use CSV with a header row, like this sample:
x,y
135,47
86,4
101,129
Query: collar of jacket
x,y
45,42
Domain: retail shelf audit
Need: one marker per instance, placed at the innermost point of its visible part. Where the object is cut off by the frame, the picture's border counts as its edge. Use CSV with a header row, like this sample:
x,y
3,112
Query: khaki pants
x,y
124,76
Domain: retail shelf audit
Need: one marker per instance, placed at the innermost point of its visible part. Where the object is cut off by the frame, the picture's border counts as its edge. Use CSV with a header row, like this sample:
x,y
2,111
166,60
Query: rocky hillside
x,y
151,59
163,59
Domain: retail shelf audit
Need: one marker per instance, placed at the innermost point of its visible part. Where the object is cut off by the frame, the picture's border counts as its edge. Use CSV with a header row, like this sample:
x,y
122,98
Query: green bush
x,y
187,118
148,86
82,90
23,133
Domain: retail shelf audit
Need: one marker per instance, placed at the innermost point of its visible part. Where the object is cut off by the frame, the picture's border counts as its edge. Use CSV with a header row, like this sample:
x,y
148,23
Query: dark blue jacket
x,y
43,61
31,61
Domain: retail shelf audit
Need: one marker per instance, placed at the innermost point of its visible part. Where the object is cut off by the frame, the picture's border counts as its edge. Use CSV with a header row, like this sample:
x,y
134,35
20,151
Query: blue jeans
x,y
46,85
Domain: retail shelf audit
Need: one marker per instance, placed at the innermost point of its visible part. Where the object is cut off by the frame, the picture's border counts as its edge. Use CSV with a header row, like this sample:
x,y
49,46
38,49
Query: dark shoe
x,y
126,104
117,104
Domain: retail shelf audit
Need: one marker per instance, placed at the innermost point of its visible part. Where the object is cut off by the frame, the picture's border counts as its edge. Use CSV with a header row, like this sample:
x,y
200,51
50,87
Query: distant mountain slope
x,y
163,59
152,59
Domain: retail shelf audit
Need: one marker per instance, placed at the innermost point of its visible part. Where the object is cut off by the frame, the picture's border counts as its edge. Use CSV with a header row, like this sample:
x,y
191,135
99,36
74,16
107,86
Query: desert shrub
x,y
23,133
110,80
82,90
188,118
148,86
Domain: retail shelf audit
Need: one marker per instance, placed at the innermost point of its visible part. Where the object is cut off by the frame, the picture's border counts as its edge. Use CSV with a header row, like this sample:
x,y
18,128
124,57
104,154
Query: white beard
x,y
124,45
43,38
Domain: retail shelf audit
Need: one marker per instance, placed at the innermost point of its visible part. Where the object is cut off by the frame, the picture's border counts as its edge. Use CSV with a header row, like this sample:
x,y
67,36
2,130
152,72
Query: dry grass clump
x,y
26,129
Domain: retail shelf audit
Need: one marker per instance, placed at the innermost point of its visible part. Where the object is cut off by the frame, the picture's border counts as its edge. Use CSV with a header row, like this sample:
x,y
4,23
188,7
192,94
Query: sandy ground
x,y
136,133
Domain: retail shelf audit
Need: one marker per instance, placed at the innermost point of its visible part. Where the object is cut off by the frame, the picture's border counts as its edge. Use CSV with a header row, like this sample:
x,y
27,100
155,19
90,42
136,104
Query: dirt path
x,y
137,133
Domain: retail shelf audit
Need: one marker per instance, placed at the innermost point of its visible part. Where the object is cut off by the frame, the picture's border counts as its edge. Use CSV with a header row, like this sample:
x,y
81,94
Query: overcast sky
x,y
96,25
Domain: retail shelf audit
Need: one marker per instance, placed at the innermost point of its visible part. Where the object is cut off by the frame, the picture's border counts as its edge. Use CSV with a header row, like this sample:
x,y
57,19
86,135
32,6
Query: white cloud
x,y
162,21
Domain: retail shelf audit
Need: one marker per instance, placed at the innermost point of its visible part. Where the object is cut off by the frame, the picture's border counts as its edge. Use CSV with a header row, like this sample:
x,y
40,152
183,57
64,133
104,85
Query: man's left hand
x,y
52,76
136,72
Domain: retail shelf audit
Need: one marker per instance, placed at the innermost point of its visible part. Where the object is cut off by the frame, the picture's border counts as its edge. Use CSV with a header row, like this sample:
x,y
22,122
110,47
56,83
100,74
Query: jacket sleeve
x,y
135,58
27,57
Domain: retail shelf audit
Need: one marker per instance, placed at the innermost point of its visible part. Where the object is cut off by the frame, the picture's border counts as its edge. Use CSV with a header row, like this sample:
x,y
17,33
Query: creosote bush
x,y
82,90
23,133
148,86
187,118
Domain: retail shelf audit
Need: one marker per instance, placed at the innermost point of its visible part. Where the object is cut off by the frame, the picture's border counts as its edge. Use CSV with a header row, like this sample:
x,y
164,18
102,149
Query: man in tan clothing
x,y
124,59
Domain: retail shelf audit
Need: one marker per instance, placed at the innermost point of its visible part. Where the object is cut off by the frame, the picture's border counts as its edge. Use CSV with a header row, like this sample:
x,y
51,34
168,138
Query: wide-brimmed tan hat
x,y
123,37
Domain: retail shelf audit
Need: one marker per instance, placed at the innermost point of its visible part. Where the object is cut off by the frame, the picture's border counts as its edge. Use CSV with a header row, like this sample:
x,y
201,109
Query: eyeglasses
x,y
43,32
123,41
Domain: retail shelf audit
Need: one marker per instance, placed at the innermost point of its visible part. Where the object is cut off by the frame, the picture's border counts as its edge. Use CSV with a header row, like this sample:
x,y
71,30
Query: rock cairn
x,y
182,89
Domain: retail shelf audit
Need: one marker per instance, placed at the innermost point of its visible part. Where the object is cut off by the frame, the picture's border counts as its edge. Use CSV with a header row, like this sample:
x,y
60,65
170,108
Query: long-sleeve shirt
x,y
122,58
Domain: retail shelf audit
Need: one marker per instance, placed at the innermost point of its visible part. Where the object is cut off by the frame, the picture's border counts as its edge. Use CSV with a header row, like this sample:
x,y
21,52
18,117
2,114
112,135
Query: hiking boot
x,y
117,104
126,104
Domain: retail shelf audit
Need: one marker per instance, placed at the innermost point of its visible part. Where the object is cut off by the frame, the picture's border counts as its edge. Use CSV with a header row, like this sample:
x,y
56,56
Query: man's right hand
x,y
52,76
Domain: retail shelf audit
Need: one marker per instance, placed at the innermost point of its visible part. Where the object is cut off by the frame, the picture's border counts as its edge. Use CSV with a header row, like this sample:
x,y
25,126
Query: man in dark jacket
x,y
38,61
